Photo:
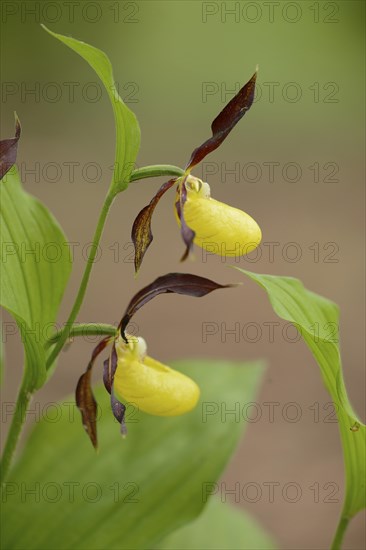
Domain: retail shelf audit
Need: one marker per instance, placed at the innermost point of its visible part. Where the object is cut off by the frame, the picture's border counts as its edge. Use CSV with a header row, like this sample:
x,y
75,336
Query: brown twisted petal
x,y
84,397
186,232
178,283
141,230
109,370
8,150
119,410
225,122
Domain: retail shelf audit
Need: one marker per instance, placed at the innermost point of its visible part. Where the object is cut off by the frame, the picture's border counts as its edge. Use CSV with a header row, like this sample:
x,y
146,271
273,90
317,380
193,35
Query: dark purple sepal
x,y
87,405
225,121
8,150
109,369
186,232
119,410
141,230
178,283
84,397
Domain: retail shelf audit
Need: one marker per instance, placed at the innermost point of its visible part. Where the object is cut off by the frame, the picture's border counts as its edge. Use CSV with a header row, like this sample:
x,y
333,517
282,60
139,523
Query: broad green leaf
x,y
317,320
127,127
220,527
35,268
145,486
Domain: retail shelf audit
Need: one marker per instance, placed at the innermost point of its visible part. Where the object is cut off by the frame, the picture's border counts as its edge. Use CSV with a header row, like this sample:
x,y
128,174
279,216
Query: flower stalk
x,y
16,426
84,282
156,171
142,173
83,329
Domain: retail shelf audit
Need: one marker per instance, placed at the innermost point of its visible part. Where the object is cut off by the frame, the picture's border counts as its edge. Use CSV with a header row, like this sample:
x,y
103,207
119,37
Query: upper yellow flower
x,y
153,387
210,224
218,227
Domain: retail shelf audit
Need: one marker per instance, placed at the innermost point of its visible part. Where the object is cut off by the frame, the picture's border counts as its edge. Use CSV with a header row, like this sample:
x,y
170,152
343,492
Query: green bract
x,y
127,127
306,310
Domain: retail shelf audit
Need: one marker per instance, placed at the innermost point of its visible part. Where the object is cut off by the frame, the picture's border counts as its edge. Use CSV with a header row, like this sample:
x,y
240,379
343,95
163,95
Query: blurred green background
x,y
176,64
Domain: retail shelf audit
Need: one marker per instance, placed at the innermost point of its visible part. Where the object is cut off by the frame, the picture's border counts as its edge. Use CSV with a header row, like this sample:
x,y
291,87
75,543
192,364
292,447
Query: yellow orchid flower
x,y
212,225
218,228
153,387
130,375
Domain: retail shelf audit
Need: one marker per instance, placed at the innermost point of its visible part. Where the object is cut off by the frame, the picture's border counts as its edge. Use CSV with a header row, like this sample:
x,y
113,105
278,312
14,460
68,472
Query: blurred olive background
x,y
176,64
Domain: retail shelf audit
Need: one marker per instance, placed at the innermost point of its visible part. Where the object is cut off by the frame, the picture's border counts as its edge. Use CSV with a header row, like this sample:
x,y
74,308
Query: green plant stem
x,y
19,417
83,329
155,171
84,282
25,394
145,172
339,534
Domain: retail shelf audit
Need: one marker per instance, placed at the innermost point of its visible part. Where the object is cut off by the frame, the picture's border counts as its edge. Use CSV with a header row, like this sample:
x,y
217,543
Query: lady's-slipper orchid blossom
x,y
218,228
153,387
210,224
130,375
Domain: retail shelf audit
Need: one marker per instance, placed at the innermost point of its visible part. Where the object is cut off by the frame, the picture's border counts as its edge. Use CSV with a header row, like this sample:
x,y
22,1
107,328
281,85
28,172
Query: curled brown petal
x,y
178,283
186,232
225,122
141,230
110,366
119,410
8,150
84,397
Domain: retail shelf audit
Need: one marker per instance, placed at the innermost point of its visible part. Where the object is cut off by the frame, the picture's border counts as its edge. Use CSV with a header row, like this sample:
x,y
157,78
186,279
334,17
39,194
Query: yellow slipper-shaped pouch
x,y
153,387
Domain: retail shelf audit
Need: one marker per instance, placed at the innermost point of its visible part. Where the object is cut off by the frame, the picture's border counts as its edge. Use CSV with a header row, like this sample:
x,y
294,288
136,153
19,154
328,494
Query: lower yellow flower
x,y
129,375
155,388
219,228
